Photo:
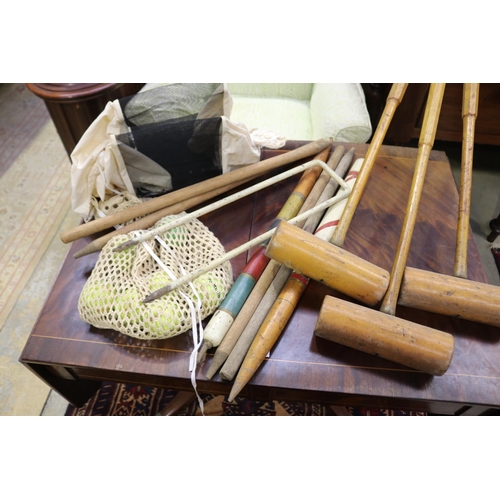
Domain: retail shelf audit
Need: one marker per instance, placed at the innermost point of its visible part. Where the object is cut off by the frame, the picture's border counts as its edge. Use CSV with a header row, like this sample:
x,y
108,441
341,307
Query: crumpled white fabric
x,y
97,167
241,146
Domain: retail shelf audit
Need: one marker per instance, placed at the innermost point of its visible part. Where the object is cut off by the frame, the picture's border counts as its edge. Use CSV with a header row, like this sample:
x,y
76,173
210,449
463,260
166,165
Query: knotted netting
x,y
112,296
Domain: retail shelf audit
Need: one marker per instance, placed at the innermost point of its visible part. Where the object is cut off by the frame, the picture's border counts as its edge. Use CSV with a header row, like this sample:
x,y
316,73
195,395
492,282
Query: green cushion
x,y
301,91
290,118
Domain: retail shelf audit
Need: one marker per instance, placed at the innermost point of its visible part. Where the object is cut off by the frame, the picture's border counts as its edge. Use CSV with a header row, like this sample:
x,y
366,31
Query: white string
x,y
195,312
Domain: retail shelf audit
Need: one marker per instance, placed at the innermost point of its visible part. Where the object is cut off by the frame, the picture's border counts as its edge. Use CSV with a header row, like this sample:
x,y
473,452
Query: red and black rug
x,y
114,399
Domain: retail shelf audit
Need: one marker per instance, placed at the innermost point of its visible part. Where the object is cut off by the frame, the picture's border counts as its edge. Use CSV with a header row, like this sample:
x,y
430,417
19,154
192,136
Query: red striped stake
x,y
287,301
223,318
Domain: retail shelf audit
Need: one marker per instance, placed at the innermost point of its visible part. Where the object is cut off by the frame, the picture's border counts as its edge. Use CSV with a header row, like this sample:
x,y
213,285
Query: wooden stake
x,y
241,174
235,358
243,319
222,319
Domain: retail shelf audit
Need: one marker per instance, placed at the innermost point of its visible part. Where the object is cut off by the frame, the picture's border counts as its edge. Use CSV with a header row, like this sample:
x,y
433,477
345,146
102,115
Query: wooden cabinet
x,y
74,106
408,118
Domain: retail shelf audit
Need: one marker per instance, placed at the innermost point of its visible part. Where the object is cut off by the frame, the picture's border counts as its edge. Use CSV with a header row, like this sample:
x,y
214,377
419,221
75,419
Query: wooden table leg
x,y
181,400
495,229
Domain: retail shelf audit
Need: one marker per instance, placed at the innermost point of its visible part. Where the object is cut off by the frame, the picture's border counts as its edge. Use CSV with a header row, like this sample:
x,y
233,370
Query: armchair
x,y
303,111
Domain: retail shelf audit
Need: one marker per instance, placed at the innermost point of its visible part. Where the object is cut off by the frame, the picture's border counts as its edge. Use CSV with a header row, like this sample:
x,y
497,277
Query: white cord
x,y
195,312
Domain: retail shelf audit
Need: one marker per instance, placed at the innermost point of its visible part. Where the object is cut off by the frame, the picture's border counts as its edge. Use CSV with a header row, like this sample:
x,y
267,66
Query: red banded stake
x,y
223,318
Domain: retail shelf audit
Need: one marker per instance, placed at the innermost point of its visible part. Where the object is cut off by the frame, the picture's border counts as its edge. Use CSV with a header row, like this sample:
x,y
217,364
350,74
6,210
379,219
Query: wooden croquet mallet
x,y
283,307
381,333
456,295
268,320
240,335
268,282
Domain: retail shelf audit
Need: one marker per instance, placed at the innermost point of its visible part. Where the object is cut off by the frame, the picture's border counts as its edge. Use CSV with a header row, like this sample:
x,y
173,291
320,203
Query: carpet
x,y
114,399
34,207
34,189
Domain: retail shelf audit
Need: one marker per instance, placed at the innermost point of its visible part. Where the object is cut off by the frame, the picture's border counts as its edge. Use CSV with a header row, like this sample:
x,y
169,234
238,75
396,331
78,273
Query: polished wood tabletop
x,y
74,357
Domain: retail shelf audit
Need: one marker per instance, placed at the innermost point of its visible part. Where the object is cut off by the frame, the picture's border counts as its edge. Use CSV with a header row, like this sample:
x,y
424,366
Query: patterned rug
x,y
115,399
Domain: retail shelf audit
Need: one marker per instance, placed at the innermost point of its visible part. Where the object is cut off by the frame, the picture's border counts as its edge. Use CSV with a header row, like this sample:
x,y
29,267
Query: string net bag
x,y
113,205
112,296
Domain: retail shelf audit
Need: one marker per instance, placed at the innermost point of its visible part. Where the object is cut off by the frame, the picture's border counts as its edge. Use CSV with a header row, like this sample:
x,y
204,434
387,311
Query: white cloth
x,y
98,169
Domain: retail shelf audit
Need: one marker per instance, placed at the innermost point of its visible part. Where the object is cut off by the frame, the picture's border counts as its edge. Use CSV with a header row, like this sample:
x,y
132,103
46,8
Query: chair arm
x,y
338,110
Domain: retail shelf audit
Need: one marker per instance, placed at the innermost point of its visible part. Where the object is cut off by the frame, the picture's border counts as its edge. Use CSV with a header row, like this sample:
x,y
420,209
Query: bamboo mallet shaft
x,y
393,100
244,173
469,115
426,141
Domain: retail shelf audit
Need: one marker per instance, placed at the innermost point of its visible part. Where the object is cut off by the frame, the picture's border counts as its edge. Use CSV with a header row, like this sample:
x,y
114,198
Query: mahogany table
x,y
74,358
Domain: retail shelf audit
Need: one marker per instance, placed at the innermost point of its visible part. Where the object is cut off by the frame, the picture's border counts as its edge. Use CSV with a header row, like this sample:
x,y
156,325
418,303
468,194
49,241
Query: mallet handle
x,y
393,100
168,199
426,141
469,115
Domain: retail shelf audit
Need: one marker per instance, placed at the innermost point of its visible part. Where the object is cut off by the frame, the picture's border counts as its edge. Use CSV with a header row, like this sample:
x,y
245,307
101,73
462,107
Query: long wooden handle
x,y
149,220
244,173
469,115
393,100
427,136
